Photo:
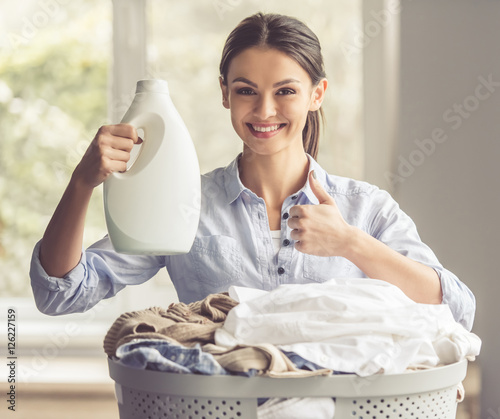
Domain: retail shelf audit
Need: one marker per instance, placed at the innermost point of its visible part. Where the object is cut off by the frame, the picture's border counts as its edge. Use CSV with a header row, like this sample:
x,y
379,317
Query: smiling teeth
x,y
265,129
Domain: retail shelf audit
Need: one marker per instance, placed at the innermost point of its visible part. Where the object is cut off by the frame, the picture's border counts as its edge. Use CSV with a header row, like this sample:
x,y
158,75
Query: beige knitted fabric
x,y
266,358
185,323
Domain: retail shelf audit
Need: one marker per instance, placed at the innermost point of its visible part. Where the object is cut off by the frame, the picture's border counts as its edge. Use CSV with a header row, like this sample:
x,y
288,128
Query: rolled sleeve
x,y
100,274
40,278
395,228
52,293
458,297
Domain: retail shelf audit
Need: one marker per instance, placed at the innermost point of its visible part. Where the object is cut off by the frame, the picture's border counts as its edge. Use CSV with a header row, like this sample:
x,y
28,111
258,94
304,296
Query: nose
x,y
265,107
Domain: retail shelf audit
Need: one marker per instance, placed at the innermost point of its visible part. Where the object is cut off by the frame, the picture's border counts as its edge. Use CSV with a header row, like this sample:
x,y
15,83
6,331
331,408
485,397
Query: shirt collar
x,y
234,187
232,182
320,176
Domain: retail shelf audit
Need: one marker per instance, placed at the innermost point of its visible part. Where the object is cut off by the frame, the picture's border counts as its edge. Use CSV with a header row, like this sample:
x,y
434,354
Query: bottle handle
x,y
153,127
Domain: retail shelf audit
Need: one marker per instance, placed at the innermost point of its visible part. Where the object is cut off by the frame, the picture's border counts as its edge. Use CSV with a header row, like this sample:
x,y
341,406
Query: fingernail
x,y
314,174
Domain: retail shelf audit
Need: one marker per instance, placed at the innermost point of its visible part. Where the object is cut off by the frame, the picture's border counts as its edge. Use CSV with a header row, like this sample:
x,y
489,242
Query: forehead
x,y
265,64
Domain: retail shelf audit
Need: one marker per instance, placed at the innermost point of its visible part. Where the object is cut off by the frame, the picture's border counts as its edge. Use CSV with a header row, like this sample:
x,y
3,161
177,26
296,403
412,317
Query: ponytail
x,y
311,132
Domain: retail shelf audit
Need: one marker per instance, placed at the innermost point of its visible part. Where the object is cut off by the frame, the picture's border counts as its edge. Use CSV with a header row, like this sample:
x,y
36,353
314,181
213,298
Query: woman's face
x,y
269,95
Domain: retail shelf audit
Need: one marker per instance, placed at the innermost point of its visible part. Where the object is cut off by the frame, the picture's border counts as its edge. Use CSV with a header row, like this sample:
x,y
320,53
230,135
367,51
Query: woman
x,y
272,216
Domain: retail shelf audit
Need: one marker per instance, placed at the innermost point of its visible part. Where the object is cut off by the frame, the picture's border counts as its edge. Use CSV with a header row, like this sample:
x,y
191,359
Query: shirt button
x,y
281,270
294,197
286,242
286,215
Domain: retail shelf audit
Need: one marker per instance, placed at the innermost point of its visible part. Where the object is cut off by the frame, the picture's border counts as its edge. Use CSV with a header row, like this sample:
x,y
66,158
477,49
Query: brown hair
x,y
288,35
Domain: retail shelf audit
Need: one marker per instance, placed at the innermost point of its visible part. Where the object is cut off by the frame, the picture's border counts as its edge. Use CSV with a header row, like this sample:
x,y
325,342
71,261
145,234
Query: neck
x,y
273,177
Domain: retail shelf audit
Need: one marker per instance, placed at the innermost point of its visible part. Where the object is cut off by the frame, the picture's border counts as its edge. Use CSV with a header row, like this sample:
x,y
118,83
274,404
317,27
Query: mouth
x,y
265,130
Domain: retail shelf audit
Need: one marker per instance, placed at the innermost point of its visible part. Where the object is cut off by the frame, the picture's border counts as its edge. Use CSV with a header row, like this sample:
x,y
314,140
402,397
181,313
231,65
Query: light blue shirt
x,y
233,246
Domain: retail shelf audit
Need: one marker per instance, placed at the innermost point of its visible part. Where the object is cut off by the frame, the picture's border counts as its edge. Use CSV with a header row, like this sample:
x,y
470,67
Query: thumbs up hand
x,y
322,231
319,229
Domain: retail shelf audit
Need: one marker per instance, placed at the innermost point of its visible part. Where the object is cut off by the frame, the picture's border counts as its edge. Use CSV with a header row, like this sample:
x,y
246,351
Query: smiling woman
x,y
269,106
48,117
349,225
274,92
280,52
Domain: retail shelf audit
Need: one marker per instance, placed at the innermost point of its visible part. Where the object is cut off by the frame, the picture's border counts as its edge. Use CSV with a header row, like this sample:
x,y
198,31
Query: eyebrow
x,y
251,83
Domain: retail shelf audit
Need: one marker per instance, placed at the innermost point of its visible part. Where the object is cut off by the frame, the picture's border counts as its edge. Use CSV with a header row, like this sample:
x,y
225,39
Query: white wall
x,y
447,49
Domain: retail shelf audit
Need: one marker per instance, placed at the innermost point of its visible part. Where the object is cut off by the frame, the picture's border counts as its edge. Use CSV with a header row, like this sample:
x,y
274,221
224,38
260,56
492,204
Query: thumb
x,y
319,191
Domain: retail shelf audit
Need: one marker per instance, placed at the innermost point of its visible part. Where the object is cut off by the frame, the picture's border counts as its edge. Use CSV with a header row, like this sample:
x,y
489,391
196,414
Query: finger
x,y
125,131
121,137
116,166
296,235
297,223
121,143
293,222
109,166
297,211
118,155
319,191
302,247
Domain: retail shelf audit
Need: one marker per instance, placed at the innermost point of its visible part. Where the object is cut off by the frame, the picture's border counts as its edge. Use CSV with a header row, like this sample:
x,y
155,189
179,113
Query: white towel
x,y
363,326
297,408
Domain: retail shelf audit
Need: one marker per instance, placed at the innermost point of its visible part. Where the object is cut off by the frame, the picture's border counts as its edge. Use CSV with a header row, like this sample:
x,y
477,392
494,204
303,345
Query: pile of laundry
x,y
359,326
182,339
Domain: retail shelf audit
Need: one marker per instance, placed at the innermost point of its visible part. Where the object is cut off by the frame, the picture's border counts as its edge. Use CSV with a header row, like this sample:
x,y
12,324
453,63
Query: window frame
x,y
381,88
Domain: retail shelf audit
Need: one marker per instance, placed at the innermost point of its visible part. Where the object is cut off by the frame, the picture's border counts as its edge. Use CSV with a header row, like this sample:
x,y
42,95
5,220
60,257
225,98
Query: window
x,y
53,95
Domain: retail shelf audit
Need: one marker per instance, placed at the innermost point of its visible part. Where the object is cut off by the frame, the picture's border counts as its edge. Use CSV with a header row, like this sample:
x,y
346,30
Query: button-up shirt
x,y
233,246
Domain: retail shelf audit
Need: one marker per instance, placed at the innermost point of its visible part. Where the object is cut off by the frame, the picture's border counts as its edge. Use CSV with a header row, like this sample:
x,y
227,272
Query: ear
x,y
224,89
318,94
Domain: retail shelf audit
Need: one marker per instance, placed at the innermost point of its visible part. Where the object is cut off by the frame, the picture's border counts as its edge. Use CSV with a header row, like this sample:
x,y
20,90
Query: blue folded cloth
x,y
161,355
302,363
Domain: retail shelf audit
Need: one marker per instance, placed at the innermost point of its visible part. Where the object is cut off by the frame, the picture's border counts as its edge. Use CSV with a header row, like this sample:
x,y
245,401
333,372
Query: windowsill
x,y
63,400
87,371
83,331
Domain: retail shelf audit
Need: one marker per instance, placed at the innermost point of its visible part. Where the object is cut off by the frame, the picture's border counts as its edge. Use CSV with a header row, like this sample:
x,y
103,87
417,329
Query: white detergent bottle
x,y
154,206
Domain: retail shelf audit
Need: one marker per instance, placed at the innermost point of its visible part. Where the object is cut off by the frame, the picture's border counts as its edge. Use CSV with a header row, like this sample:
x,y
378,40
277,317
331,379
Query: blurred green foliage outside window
x,y
54,61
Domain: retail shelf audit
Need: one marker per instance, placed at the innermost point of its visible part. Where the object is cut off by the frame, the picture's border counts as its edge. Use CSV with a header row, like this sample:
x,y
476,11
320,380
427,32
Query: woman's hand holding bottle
x,y
108,152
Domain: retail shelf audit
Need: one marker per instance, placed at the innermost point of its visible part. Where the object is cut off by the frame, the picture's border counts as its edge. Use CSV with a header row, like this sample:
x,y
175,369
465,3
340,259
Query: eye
x,y
285,92
245,91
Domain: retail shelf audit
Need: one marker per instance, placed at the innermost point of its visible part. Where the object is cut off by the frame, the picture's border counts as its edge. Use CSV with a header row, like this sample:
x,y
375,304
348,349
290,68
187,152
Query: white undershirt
x,y
276,236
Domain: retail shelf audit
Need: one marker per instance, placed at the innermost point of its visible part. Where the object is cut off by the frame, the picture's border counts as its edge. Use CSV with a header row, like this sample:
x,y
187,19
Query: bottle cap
x,y
152,85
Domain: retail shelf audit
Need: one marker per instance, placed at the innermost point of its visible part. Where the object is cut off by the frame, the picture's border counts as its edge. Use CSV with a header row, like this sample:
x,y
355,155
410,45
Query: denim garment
x,y
233,246
304,364
161,355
